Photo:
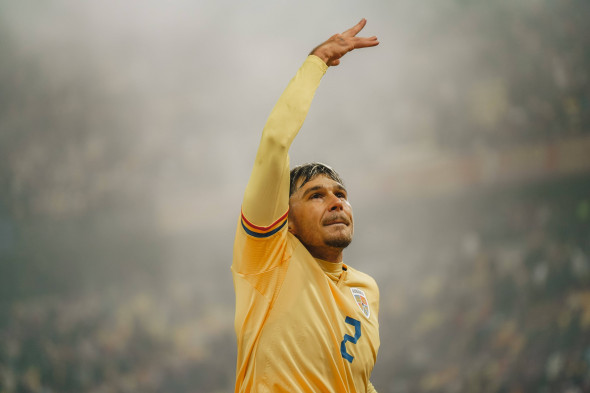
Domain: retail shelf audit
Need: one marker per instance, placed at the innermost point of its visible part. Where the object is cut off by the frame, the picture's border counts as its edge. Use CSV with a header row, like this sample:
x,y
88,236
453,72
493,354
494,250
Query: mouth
x,y
336,224
336,221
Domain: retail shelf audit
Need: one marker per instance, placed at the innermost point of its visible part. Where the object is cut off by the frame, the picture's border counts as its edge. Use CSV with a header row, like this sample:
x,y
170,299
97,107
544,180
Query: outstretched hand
x,y
340,44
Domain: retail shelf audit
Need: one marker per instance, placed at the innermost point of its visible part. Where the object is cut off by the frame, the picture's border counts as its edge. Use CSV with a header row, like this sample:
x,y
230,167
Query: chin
x,y
340,242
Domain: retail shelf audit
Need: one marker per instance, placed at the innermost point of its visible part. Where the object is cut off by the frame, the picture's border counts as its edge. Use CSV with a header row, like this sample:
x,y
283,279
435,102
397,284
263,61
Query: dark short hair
x,y
310,170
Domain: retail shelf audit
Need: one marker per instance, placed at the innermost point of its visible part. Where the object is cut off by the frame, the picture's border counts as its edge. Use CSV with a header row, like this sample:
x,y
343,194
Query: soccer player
x,y
305,321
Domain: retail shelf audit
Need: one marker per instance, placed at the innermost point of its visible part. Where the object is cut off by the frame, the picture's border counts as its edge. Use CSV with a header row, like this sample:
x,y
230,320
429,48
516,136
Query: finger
x,y
365,42
356,28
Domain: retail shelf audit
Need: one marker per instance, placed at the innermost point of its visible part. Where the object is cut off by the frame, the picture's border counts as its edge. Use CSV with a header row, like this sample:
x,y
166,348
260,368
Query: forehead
x,y
322,181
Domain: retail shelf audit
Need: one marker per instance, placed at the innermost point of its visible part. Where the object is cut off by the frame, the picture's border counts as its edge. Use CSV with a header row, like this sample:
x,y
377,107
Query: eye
x,y
315,196
341,195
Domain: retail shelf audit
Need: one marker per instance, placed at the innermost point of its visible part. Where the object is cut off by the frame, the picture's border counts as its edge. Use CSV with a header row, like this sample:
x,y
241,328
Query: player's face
x,y
320,215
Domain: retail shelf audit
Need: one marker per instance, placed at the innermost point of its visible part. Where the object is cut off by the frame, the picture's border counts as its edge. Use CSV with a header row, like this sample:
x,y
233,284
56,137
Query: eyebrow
x,y
338,186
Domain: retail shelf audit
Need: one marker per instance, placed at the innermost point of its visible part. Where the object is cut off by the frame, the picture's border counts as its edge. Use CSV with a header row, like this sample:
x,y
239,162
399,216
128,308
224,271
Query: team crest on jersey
x,y
361,300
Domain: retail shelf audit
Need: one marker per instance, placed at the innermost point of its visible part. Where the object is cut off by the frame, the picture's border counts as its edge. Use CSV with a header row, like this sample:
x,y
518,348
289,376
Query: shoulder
x,y
358,277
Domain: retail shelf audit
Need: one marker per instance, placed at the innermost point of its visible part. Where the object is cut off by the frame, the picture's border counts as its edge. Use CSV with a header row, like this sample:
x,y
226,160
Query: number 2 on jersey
x,y
357,335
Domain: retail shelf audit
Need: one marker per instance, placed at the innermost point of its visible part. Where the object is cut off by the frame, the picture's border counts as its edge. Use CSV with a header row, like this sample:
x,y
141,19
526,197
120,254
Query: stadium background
x,y
128,129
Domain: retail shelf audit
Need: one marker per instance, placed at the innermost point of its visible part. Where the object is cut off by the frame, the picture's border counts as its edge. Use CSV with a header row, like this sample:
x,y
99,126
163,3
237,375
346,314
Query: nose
x,y
336,203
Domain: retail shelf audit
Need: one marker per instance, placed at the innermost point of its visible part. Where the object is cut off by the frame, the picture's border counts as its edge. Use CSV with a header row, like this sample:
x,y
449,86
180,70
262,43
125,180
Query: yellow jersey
x,y
302,324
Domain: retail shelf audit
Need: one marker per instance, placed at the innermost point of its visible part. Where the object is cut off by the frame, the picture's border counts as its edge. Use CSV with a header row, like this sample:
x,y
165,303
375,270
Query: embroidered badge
x,y
361,300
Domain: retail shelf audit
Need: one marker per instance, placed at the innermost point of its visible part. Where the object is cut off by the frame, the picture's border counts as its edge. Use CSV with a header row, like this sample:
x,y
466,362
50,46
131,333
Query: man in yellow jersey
x,y
305,321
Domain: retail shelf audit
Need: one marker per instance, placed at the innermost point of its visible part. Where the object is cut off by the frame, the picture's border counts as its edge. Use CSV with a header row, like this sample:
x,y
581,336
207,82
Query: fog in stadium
x,y
128,130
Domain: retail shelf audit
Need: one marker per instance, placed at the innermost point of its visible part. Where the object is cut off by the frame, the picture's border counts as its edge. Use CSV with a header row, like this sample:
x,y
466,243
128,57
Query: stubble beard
x,y
339,242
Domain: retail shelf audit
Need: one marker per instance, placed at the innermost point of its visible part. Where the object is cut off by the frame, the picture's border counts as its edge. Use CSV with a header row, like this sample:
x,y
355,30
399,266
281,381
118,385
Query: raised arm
x,y
266,199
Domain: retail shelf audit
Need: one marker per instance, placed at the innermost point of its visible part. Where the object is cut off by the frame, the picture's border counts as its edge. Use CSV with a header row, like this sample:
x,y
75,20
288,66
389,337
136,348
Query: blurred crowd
x,y
123,341
527,80
503,301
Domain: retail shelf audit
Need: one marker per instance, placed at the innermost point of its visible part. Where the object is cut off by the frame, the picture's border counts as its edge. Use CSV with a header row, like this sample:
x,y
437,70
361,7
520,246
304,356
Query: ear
x,y
291,223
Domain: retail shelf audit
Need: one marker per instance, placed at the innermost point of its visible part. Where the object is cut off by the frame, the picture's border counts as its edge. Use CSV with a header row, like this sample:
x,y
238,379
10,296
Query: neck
x,y
328,254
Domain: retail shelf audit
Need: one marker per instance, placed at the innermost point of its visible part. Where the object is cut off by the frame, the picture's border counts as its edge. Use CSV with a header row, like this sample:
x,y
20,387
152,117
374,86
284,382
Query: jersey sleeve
x,y
371,388
266,199
267,194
